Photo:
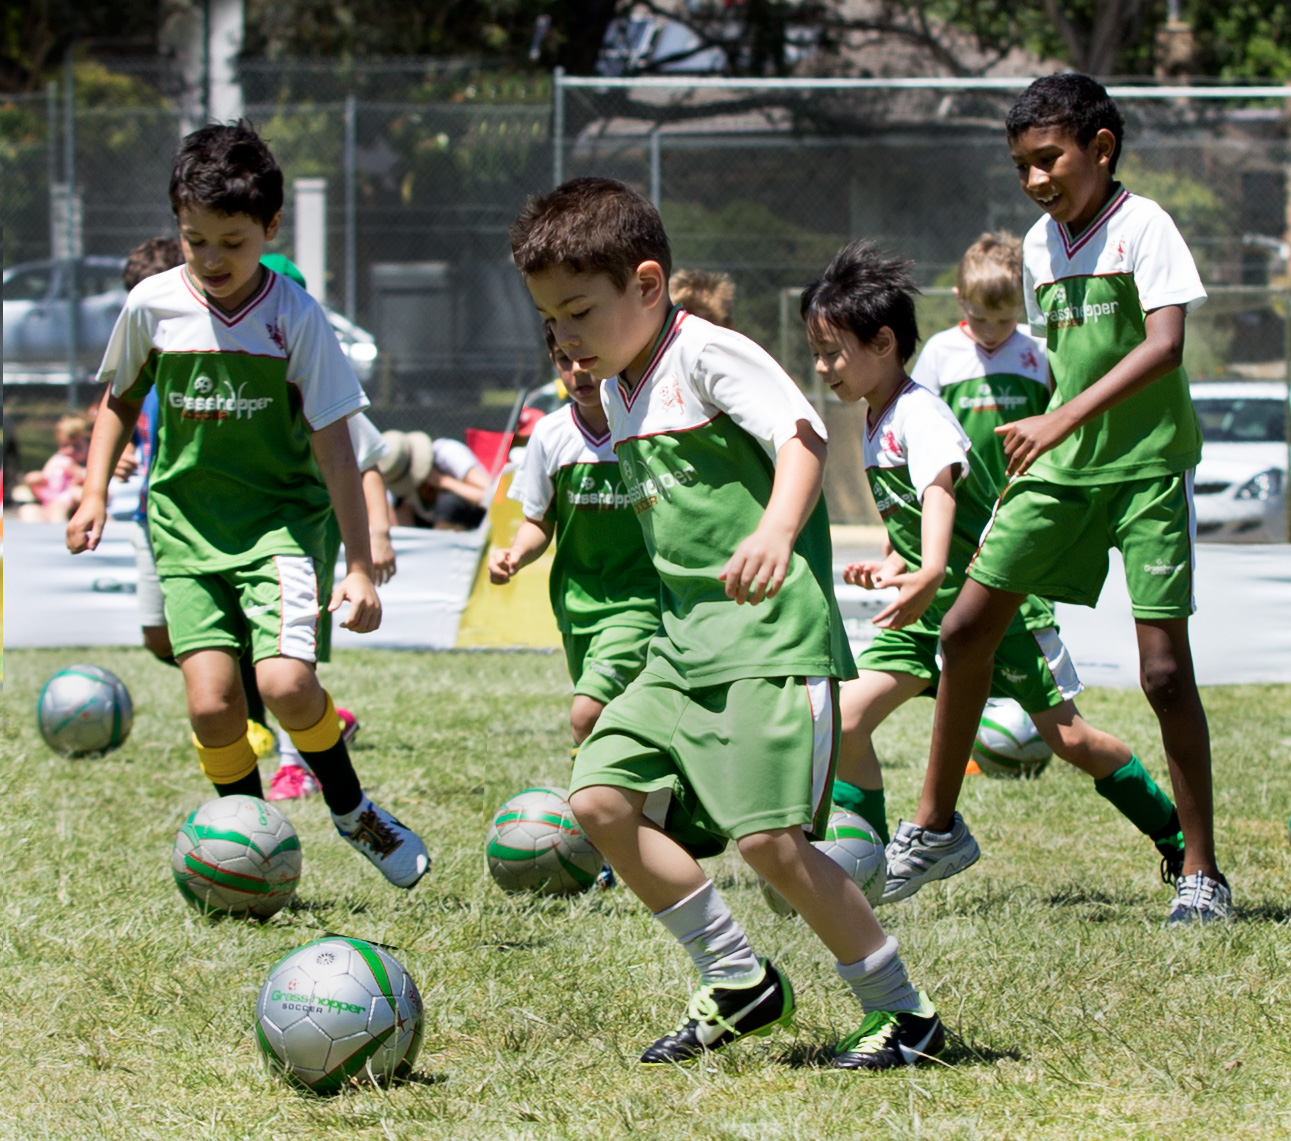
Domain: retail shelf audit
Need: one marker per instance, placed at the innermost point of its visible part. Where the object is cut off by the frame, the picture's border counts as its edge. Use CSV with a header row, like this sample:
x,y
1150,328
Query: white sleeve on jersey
x,y
1164,271
128,348
925,371
369,447
1035,316
532,486
454,458
744,381
329,390
933,439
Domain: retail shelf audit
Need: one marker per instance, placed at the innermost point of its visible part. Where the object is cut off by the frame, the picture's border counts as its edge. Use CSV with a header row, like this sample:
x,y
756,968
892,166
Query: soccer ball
x,y
237,855
84,711
339,1010
535,844
855,847
1008,745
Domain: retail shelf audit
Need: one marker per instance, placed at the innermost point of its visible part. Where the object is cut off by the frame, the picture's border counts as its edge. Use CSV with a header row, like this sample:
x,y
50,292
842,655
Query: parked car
x,y
1240,488
36,328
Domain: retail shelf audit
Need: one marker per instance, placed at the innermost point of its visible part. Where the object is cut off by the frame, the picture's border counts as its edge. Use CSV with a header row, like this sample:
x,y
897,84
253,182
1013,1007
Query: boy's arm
x,y
335,455
530,541
374,497
113,427
471,488
1161,352
757,568
917,589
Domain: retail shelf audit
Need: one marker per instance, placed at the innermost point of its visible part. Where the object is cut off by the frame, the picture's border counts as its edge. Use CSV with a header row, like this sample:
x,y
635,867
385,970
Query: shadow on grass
x,y
324,906
1261,913
807,1055
514,944
421,1078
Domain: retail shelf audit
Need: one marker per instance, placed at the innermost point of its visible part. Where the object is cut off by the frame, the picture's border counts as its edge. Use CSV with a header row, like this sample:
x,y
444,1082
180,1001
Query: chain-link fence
x,y
426,164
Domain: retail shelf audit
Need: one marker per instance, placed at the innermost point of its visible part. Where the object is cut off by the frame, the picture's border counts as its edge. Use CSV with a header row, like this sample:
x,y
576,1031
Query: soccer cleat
x,y
1171,859
893,1038
718,1015
292,782
263,742
1200,899
605,878
349,724
917,856
394,848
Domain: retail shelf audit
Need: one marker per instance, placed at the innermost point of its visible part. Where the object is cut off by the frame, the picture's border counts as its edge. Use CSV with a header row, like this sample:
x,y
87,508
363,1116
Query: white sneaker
x,y
917,856
395,849
1200,899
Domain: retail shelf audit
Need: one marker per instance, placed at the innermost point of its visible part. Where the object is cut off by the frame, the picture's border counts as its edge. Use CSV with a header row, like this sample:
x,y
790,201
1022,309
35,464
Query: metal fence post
x,y
558,126
73,245
351,207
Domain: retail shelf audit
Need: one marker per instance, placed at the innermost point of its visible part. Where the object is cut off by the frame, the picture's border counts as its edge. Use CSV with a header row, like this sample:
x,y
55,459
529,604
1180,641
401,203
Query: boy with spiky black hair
x,y
935,496
729,732
1109,281
252,478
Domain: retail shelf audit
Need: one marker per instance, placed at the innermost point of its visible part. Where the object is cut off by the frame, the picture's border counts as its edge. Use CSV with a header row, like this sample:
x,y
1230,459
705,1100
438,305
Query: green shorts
x,y
277,606
1052,539
601,664
720,762
1033,667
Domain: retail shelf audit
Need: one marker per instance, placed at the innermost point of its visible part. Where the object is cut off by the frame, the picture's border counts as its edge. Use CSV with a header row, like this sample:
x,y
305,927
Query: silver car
x,y
36,321
1240,488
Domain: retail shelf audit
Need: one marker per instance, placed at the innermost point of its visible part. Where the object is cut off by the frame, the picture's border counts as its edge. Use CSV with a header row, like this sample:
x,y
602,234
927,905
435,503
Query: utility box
x,y
414,310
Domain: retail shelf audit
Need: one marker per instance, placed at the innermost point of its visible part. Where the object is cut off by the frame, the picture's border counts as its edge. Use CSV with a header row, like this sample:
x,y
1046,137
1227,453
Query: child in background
x,y
1110,281
704,293
729,731
434,483
57,486
860,319
253,480
604,588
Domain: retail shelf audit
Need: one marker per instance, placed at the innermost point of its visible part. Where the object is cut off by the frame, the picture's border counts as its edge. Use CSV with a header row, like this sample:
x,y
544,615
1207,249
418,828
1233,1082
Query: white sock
x,y
879,980
288,754
350,820
703,924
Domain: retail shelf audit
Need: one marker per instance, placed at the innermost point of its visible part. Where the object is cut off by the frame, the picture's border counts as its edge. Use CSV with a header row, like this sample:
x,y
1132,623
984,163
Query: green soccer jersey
x,y
907,445
1088,294
233,478
985,388
696,438
601,575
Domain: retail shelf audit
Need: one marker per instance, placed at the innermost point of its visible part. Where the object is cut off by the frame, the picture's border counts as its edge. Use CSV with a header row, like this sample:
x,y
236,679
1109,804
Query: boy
x,y
729,731
860,320
252,475
1110,464
604,589
706,294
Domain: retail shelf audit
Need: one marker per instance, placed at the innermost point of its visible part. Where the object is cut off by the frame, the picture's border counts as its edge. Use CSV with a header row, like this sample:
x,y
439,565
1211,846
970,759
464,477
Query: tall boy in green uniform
x,y
1109,281
730,730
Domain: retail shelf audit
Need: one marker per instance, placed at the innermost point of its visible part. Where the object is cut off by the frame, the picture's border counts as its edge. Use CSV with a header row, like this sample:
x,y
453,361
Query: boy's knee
x,y
583,715
1165,682
156,640
599,807
962,637
769,850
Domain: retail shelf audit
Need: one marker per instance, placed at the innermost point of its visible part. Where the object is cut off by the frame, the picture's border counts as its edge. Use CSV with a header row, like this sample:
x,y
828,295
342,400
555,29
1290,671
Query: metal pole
x,y
51,145
558,126
351,208
656,168
73,251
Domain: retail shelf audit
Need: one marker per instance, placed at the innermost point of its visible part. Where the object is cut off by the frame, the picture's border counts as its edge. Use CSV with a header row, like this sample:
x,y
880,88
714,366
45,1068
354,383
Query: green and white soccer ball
x,y
1008,745
84,711
535,844
336,1011
237,855
854,846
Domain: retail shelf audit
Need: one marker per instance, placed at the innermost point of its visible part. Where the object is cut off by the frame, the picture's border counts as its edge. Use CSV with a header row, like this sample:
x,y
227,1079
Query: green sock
x,y
867,802
1138,798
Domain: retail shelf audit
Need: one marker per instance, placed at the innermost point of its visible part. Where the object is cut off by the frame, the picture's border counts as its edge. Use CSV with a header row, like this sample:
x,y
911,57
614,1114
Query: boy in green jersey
x,y
252,484
604,588
935,500
1109,281
729,732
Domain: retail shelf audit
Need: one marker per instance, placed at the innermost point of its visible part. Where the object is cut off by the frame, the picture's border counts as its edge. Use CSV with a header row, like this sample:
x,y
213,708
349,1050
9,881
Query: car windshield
x,y
29,284
1235,420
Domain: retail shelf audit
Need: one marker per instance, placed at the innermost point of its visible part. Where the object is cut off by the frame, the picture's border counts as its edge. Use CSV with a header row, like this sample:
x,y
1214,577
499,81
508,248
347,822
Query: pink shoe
x,y
349,724
292,782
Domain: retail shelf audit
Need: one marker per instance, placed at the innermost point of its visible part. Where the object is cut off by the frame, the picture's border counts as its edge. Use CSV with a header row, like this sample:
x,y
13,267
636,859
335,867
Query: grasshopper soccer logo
x,y
208,400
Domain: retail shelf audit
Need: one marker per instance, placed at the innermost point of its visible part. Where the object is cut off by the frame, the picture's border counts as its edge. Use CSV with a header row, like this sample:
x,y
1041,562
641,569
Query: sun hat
x,y
407,462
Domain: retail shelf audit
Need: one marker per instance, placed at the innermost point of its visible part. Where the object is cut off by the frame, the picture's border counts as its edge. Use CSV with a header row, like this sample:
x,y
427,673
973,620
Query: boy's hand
x,y
873,575
383,567
1026,440
757,569
365,607
915,592
85,527
501,567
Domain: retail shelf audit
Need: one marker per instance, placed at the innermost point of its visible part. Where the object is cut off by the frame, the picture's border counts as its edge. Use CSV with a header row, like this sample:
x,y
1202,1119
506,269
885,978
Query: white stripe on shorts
x,y
1188,478
819,693
300,611
1061,667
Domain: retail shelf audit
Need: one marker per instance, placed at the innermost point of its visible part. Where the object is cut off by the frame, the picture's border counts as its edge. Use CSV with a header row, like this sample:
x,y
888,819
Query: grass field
x,y
1074,1013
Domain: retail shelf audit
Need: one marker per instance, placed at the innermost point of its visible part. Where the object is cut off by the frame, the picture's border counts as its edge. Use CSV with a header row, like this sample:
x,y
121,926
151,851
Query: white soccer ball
x,y
854,846
339,1010
237,855
535,844
1008,745
84,711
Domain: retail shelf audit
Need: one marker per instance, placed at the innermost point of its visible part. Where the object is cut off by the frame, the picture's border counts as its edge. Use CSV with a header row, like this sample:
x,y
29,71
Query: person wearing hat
x,y
435,483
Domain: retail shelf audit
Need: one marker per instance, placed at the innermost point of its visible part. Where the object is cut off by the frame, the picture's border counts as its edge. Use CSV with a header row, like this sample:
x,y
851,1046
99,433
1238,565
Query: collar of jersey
x,y
981,348
1071,243
581,425
241,311
908,386
667,334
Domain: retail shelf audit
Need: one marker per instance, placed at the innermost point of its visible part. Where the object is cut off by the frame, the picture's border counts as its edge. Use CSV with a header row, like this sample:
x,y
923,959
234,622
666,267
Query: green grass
x,y
1074,1014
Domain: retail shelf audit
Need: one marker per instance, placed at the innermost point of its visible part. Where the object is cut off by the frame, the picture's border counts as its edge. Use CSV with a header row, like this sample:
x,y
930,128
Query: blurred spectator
x,y
57,486
152,256
12,467
703,293
435,483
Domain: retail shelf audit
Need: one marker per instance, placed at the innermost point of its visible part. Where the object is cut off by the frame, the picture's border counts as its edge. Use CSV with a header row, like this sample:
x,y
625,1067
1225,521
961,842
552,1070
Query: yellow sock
x,y
322,736
228,763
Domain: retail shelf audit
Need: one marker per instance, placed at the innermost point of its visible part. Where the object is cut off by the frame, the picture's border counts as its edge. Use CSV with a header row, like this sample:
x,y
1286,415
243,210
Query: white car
x,y
1240,489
